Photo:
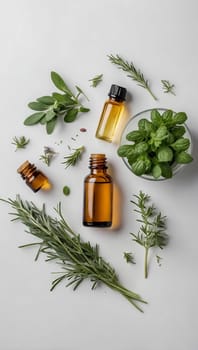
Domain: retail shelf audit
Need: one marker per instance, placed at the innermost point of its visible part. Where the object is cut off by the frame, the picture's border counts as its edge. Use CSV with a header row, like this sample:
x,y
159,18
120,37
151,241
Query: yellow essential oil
x,y
112,112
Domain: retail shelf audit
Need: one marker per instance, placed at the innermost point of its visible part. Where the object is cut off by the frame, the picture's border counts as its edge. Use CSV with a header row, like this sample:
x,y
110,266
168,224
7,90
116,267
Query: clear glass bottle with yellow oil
x,y
113,110
98,194
33,177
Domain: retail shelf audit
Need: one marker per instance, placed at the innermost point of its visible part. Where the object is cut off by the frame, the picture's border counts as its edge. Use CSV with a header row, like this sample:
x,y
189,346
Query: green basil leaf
x,y
183,158
144,124
166,170
34,118
181,144
50,115
156,117
161,132
46,100
156,171
136,135
178,131
141,147
51,125
165,154
124,150
170,138
132,157
180,118
37,106
167,117
59,82
138,167
71,115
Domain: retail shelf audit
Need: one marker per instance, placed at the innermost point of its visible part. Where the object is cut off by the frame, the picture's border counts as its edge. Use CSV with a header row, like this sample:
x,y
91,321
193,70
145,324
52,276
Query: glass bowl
x,y
133,125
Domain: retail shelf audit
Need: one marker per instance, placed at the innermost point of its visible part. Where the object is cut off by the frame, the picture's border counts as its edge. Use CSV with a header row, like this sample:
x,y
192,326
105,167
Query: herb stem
x,y
146,262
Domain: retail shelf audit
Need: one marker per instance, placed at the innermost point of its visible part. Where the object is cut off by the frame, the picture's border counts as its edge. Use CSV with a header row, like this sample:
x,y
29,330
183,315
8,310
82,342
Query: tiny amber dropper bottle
x,y
33,177
112,112
98,193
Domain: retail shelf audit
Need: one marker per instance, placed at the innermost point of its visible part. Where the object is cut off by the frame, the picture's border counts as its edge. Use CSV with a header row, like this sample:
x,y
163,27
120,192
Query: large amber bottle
x,y
98,193
112,113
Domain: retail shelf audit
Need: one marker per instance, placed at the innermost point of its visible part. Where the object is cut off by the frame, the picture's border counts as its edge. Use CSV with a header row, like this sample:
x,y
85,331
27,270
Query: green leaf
x,y
166,170
50,115
66,190
84,109
125,150
156,117
136,135
59,82
167,117
141,147
181,144
180,118
161,132
46,100
37,106
51,125
43,120
156,171
144,124
178,131
170,138
165,154
138,167
184,158
80,92
34,118
71,115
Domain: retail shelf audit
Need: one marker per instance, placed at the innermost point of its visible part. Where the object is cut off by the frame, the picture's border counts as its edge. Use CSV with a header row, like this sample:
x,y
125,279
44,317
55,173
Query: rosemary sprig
x,y
129,257
74,157
96,80
152,229
20,142
47,156
78,260
134,73
168,87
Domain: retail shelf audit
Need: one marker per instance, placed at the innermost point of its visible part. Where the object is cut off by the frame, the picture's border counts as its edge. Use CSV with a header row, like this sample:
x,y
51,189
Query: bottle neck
x,y
97,163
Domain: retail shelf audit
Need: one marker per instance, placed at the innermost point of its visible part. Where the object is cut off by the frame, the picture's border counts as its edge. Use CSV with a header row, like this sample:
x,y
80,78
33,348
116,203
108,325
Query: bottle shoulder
x,y
106,178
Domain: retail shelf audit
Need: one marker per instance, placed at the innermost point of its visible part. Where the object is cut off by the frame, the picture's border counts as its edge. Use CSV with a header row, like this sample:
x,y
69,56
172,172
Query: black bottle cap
x,y
117,92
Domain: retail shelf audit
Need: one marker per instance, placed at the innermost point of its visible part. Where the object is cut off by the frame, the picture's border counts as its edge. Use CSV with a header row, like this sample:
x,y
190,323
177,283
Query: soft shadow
x,y
117,201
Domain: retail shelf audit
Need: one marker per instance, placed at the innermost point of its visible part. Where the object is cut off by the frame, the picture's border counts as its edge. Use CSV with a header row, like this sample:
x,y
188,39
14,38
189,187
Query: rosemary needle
x,y
79,260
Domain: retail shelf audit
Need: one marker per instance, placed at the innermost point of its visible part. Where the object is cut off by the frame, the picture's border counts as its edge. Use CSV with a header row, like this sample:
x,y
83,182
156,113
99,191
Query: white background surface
x,y
74,38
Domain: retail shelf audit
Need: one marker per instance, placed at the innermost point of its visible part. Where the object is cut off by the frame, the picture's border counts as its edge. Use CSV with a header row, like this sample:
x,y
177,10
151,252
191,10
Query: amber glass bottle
x,y
98,193
111,114
33,177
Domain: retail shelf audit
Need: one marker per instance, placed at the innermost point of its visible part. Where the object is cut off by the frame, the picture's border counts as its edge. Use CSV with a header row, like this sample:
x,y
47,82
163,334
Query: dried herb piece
x,y
96,80
48,155
168,87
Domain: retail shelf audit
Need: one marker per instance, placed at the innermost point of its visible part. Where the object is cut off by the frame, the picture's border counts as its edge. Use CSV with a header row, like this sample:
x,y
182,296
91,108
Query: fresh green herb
x,y
74,157
152,229
20,142
134,73
158,258
66,190
50,108
47,156
96,80
78,260
157,145
168,87
129,257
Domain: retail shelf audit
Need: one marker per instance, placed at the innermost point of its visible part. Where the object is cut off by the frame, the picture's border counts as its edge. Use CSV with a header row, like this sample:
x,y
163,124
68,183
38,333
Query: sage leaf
x,y
59,82
34,118
50,115
46,100
51,125
84,109
37,106
71,115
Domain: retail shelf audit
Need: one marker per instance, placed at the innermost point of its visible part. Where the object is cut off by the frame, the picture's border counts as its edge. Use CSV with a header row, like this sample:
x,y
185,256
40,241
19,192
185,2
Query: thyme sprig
x,y
78,260
74,157
95,81
48,155
168,87
133,73
152,230
20,142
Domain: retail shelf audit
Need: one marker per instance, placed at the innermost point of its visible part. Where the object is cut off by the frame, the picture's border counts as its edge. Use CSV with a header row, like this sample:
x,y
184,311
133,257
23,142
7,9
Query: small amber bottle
x,y
33,177
98,193
111,114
